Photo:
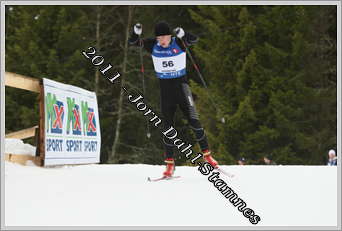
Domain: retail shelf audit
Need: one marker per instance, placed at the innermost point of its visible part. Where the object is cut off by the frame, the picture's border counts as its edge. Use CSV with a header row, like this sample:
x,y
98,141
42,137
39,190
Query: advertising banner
x,y
72,126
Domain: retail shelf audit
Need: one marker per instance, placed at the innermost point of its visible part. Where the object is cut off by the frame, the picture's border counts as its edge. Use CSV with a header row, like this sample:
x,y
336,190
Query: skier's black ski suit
x,y
173,92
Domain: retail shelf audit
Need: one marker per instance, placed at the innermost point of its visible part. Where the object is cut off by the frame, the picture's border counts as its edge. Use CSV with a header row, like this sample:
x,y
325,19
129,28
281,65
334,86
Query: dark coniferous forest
x,y
271,71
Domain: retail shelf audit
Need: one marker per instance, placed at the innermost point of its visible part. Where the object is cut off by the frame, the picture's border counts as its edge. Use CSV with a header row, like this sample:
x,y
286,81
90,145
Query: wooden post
x,y
37,141
41,125
34,85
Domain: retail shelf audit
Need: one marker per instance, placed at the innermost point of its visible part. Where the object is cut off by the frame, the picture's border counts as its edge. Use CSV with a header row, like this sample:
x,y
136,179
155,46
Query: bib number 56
x,y
167,63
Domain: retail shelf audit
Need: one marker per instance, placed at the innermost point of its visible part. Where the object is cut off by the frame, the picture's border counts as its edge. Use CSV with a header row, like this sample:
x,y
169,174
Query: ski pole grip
x,y
138,29
138,25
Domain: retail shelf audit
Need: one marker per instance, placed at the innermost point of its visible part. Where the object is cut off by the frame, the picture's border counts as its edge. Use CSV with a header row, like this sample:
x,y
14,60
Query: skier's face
x,y
164,40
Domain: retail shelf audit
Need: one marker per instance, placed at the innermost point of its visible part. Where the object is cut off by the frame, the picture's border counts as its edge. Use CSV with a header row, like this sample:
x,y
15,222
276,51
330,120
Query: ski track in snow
x,y
120,195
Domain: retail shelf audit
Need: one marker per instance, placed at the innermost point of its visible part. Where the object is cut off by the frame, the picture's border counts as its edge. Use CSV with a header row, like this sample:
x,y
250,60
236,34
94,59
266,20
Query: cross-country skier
x,y
169,59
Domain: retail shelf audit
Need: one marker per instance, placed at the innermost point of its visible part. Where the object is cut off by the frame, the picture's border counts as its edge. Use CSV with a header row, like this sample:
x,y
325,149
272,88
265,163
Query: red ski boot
x,y
208,158
170,167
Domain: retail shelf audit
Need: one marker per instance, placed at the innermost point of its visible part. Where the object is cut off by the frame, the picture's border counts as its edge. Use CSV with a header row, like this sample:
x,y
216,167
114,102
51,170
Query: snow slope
x,y
120,195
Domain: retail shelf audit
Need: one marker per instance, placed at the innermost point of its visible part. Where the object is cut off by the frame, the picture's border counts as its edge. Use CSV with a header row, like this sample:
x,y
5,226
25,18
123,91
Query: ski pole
x,y
142,69
187,49
194,64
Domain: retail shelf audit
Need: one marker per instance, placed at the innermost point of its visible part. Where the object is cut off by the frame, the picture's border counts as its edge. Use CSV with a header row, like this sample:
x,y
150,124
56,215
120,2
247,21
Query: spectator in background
x,y
332,157
268,160
242,161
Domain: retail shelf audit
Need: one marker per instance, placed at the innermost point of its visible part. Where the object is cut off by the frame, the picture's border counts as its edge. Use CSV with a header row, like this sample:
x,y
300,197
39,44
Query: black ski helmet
x,y
162,28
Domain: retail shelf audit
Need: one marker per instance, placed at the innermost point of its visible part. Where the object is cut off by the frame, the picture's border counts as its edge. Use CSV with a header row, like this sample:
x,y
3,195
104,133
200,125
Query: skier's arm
x,y
146,43
185,37
135,40
190,38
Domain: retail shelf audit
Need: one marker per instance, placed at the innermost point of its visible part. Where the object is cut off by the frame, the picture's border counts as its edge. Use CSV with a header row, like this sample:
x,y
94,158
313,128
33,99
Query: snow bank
x,y
17,146
120,195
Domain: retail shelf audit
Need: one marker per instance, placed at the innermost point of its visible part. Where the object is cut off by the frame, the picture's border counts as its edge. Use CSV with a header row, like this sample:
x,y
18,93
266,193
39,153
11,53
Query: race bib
x,y
170,67
169,62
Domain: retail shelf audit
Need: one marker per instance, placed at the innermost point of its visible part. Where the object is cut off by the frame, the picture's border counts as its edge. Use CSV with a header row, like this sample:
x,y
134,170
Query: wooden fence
x,y
33,85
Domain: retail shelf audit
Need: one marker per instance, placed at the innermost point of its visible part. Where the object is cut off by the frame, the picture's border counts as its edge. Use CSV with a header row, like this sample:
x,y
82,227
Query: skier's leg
x,y
168,108
168,112
187,106
201,138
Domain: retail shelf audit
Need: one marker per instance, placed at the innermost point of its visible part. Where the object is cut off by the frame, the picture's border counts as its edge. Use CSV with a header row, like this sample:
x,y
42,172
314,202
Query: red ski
x,y
163,178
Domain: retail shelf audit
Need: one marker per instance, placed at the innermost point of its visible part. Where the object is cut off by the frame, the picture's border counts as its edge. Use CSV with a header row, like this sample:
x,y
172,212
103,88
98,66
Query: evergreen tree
x,y
271,71
259,63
